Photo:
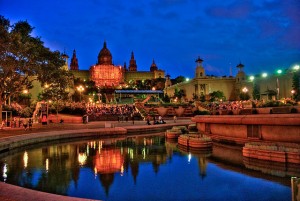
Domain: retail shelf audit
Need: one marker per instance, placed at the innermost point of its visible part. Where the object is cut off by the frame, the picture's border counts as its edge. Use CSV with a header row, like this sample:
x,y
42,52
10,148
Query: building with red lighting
x,y
105,74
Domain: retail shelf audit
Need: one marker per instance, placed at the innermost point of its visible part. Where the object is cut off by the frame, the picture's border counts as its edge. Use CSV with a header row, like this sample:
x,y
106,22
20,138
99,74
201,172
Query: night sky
x,y
264,35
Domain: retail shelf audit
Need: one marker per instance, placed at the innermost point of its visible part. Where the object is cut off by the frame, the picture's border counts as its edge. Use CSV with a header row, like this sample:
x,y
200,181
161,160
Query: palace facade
x,y
272,87
105,74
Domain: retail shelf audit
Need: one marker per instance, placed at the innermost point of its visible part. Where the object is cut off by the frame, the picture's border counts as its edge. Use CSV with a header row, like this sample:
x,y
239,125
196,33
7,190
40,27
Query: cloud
x,y
236,10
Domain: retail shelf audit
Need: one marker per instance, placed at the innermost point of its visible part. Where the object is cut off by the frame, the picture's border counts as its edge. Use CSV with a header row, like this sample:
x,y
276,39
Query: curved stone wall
x,y
243,128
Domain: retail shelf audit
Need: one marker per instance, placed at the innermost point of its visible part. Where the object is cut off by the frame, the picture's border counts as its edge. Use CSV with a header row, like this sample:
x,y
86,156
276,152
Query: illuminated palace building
x,y
107,75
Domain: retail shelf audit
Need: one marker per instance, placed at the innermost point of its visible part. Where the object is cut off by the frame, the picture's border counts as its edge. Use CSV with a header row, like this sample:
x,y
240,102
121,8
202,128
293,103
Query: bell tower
x,y
200,72
65,57
168,82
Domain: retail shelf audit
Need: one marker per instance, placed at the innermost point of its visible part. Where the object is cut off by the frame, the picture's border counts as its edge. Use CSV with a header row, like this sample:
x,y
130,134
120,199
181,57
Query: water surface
x,y
143,168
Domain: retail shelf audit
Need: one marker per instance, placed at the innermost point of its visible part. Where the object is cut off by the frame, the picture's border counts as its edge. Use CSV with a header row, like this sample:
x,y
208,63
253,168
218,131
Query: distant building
x,y
105,74
276,86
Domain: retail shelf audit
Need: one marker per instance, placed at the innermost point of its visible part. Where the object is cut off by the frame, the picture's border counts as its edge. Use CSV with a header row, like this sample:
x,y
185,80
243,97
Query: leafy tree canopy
x,y
23,59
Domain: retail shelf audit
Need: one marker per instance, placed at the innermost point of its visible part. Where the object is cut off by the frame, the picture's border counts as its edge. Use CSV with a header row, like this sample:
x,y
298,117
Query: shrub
x,y
294,110
198,112
26,112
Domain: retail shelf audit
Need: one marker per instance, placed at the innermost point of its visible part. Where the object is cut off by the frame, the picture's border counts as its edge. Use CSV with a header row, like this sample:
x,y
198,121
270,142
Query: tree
x,y
56,92
179,93
178,80
256,92
23,59
166,98
244,96
216,96
296,85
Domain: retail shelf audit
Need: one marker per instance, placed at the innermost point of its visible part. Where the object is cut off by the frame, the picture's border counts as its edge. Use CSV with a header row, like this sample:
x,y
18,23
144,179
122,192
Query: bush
x,y
26,112
198,112
230,112
294,110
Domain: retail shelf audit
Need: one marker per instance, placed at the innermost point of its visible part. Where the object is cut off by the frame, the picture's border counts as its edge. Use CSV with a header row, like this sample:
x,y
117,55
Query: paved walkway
x,y
14,193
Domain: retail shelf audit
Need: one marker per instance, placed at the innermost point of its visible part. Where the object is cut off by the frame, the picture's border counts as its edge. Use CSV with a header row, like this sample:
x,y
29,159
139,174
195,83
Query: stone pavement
x,y
14,193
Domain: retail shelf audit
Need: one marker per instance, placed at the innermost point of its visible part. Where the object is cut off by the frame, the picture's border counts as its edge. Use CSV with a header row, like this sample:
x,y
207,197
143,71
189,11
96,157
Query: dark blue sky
x,y
262,34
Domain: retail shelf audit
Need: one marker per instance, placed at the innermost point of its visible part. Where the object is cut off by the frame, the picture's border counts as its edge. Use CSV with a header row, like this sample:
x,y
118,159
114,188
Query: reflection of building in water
x,y
111,156
200,154
108,161
273,168
202,162
106,181
54,160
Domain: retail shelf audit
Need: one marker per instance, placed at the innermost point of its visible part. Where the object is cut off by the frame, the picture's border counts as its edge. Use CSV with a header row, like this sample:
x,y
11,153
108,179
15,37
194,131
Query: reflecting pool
x,y
145,168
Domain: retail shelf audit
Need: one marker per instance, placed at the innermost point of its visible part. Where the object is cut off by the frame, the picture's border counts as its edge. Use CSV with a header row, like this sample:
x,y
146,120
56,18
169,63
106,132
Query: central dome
x,y
104,56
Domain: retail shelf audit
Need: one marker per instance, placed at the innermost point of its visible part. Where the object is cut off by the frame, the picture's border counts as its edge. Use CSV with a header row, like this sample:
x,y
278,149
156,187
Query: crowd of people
x,y
25,123
122,112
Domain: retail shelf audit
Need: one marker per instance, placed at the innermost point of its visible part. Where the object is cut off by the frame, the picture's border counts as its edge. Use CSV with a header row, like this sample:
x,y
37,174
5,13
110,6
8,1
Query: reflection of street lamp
x,y
245,90
80,89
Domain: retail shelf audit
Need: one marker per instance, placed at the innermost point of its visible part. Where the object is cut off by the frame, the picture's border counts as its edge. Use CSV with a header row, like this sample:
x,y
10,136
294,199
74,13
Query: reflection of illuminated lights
x,y
4,172
95,172
25,159
87,149
144,153
47,164
82,158
122,170
109,161
130,151
189,157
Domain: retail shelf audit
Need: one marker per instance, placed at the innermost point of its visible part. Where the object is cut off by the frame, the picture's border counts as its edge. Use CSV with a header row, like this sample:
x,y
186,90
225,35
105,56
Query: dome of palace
x,y
104,56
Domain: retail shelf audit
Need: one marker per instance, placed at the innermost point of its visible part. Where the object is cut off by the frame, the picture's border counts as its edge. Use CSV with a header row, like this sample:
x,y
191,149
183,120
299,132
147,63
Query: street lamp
x,y
264,75
293,92
80,89
245,90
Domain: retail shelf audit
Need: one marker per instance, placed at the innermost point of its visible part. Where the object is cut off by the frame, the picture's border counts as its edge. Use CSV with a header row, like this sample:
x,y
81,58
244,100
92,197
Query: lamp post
x,y
293,92
80,89
245,90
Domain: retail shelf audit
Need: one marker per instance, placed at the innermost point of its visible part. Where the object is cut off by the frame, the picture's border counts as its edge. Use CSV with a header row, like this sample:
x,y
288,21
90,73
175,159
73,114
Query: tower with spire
x,y
153,66
168,82
200,72
65,57
241,76
132,63
74,62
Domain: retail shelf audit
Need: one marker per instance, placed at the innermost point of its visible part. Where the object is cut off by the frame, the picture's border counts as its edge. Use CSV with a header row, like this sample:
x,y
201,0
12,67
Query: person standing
x,y
175,118
148,120
25,124
30,123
